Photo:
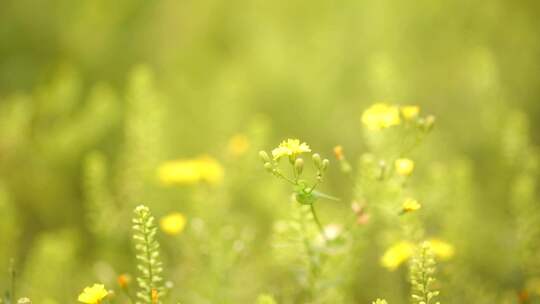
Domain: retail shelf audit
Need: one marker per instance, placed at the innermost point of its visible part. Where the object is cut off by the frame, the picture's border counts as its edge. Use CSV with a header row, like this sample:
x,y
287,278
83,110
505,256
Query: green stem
x,y
312,208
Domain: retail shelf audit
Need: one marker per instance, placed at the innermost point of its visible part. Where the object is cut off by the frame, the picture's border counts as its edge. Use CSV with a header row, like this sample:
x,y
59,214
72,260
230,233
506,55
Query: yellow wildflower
x,y
155,296
173,224
410,205
381,116
93,295
404,166
410,112
191,171
291,148
400,252
397,254
441,249
238,145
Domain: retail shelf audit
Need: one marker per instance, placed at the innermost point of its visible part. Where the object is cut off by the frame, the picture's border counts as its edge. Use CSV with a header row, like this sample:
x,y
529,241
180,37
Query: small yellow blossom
x,y
93,295
397,254
381,116
291,148
404,166
410,112
173,224
191,171
238,145
441,249
410,205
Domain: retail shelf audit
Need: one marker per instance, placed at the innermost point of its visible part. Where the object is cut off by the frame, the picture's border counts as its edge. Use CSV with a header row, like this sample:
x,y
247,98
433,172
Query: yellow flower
x,y
191,171
93,295
173,224
291,148
397,254
380,116
410,205
238,145
410,112
400,252
441,249
404,166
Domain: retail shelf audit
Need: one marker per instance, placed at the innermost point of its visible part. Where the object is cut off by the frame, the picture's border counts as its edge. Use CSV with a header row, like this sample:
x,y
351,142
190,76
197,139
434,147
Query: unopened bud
x,y
298,166
338,152
264,156
325,164
317,160
268,167
430,122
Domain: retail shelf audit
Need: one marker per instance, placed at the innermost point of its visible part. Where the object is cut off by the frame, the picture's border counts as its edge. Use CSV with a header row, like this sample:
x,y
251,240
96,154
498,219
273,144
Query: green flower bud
x,y
298,166
264,156
317,160
430,122
325,164
268,167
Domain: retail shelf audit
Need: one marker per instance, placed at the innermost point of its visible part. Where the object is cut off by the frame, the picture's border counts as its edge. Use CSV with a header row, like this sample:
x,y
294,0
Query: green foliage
x,y
422,270
150,280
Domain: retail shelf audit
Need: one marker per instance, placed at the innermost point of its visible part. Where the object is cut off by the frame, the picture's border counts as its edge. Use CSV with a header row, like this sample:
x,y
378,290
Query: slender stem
x,y
277,173
312,208
13,278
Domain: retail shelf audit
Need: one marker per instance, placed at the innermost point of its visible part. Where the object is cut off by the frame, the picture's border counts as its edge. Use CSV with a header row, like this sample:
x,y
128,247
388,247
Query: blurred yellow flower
x,y
400,252
191,171
397,254
290,148
173,224
93,295
410,112
410,205
238,145
380,116
404,166
441,249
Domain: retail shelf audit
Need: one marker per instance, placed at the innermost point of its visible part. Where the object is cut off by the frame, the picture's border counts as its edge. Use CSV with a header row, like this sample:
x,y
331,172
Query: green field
x,y
230,152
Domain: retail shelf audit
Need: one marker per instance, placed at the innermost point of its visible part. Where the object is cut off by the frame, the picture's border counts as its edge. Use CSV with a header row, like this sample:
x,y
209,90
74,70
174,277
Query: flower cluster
x,y
382,116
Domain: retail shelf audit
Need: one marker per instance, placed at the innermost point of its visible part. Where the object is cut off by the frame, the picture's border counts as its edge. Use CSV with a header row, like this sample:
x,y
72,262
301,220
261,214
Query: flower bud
x,y
317,160
268,167
298,166
325,164
264,156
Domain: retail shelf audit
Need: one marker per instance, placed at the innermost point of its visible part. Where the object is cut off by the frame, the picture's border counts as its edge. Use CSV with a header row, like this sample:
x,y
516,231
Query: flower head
x,y
404,166
173,224
404,250
93,295
410,112
291,148
191,171
397,254
381,116
410,205
441,249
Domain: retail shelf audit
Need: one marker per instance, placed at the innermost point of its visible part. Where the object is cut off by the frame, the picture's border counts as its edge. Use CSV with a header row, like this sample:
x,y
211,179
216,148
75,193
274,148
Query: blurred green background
x,y
94,95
